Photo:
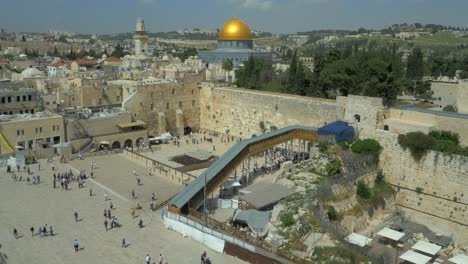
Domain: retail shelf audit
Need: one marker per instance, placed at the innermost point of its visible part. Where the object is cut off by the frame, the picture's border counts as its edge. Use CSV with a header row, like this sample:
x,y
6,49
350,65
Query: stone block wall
x,y
158,103
245,112
433,190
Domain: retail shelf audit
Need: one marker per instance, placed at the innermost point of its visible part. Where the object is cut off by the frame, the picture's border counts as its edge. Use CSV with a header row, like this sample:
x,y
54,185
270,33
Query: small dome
x,y
235,29
31,73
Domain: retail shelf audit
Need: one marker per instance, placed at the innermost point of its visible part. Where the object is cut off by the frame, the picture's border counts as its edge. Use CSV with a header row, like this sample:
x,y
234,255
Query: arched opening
x,y
128,143
187,130
116,145
357,117
385,127
139,141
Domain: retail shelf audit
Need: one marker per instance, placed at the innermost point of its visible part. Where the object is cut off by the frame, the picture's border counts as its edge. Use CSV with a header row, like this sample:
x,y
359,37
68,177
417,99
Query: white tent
x,y
426,247
358,239
415,257
459,259
391,234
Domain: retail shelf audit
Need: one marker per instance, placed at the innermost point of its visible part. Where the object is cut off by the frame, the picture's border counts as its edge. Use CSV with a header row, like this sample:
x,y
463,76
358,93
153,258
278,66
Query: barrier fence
x,y
166,171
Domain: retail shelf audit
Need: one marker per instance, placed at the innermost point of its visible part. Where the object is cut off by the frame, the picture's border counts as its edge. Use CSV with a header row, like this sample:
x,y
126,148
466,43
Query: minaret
x,y
140,38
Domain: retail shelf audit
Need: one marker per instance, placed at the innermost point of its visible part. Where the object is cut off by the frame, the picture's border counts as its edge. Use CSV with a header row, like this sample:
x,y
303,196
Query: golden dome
x,y
235,29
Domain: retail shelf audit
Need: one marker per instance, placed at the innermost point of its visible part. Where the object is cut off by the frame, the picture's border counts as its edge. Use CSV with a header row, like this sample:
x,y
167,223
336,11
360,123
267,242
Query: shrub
x,y
331,212
419,189
363,191
333,167
449,108
366,146
287,219
380,178
323,146
417,142
448,136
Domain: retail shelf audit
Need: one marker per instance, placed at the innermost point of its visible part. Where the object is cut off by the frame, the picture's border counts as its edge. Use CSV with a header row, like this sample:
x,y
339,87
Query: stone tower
x,y
140,38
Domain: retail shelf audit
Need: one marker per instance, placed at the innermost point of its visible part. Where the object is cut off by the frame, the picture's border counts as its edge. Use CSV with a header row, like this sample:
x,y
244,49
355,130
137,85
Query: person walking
x,y
105,224
148,259
105,197
140,223
124,245
51,232
32,231
90,191
40,231
75,245
161,259
15,233
76,216
153,197
133,194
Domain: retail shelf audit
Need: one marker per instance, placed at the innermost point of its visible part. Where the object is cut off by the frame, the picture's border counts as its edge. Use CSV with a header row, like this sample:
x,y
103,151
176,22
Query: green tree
x,y
363,191
415,65
227,67
292,84
449,108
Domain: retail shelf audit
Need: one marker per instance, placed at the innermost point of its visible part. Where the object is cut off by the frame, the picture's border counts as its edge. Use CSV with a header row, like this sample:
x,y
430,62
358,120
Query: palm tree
x,y
228,66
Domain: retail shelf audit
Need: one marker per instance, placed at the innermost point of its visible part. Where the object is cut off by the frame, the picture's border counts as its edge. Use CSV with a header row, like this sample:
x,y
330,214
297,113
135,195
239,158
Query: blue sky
x,y
281,16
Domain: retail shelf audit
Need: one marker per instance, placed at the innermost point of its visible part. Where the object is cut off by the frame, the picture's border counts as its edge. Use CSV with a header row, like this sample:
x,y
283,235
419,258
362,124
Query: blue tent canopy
x,y
340,129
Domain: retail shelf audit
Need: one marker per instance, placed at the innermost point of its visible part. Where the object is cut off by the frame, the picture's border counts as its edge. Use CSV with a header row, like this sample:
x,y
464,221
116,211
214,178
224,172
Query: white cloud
x,y
254,4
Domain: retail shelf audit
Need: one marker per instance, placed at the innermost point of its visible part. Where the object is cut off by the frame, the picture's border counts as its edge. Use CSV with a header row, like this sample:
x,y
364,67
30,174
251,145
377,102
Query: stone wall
x,y
159,104
399,121
245,112
433,190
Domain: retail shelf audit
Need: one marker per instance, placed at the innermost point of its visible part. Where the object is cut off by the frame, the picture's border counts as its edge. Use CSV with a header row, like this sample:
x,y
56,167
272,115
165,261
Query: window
x,y
27,111
73,98
37,130
29,97
21,111
47,103
167,105
118,98
18,98
385,127
24,97
53,127
22,132
3,100
9,99
18,132
54,102
32,111
173,91
180,104
40,129
57,127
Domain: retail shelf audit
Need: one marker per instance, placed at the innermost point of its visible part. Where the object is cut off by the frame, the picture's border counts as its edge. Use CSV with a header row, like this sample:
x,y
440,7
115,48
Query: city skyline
x,y
265,15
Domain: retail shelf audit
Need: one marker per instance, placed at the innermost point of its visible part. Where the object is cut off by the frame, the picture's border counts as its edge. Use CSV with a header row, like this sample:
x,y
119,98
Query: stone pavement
x,y
23,205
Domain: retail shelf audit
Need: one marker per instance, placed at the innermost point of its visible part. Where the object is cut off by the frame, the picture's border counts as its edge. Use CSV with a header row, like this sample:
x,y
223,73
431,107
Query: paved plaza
x,y
24,205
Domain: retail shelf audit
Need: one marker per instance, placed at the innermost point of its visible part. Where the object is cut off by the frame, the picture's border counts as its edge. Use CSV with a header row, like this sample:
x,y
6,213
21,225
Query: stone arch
x,y
128,143
357,118
116,145
139,141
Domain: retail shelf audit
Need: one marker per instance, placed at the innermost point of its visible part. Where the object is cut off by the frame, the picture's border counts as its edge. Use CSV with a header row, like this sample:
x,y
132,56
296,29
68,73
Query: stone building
x,y
110,129
30,131
16,100
166,106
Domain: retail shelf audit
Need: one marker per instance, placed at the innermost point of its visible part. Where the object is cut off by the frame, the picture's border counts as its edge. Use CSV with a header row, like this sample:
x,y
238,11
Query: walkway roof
x,y
426,247
415,257
391,234
183,197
